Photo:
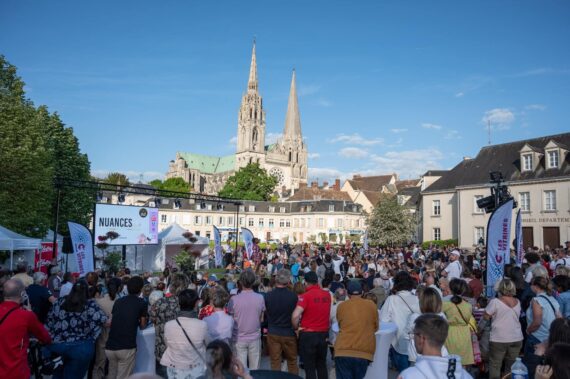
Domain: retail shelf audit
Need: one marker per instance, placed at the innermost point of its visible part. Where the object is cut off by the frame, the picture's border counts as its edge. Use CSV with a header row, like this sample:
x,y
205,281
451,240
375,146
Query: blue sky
x,y
390,86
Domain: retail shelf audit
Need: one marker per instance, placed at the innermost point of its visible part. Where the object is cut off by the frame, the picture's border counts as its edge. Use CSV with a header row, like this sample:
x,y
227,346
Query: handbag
x,y
474,340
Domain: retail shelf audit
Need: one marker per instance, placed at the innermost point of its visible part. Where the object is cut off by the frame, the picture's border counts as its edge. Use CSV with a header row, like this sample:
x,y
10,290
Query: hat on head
x,y
213,278
456,253
354,287
311,277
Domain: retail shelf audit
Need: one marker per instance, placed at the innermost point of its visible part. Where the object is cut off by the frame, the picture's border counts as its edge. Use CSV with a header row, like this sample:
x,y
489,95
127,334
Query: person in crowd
x,y
74,323
454,268
339,297
281,339
129,313
356,342
311,319
397,309
16,326
185,339
562,284
445,290
66,284
299,288
220,324
560,260
164,310
429,302
430,333
222,364
461,322
54,281
506,332
39,296
475,284
106,303
22,274
379,291
544,309
247,310
206,308
559,332
533,259
557,363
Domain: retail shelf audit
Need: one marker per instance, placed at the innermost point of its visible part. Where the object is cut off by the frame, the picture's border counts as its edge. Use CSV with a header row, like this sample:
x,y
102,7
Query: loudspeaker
x,y
67,247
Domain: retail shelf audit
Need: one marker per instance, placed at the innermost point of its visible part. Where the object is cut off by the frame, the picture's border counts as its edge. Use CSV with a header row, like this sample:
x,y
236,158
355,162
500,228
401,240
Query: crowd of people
x,y
304,306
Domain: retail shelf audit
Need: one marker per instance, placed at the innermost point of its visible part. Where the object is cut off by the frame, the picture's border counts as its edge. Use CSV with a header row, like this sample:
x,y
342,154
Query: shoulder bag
x,y
474,340
191,343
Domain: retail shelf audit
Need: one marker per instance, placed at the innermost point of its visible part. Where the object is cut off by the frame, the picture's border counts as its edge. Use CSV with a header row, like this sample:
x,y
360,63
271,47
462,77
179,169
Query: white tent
x,y
154,257
12,241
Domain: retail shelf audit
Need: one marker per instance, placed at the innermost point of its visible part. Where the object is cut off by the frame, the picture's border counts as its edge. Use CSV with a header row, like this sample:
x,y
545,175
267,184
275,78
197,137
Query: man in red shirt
x,y
16,324
315,307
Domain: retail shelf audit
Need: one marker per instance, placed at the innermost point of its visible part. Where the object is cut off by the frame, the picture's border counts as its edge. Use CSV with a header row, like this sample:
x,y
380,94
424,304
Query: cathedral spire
x,y
292,120
252,83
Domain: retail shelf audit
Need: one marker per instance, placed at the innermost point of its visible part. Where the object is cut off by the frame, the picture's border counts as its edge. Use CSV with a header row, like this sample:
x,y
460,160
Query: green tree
x,y
171,184
389,223
117,178
250,183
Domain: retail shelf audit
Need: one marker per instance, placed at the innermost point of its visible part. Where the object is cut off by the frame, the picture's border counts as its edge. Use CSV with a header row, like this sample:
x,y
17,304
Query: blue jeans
x,y
350,367
76,358
400,361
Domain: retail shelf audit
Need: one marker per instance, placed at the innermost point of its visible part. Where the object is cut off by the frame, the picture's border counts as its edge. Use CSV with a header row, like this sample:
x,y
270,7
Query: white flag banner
x,y
82,247
519,240
498,244
217,246
247,237
365,242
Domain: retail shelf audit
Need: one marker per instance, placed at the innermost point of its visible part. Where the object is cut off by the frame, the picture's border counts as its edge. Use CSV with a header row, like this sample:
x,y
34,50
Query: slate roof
x,y
506,159
435,172
370,183
209,164
413,193
312,193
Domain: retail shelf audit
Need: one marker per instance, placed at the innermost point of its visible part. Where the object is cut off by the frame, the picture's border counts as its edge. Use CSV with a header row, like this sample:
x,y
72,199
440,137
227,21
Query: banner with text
x,y
498,244
247,237
519,240
44,257
82,247
129,225
217,246
365,240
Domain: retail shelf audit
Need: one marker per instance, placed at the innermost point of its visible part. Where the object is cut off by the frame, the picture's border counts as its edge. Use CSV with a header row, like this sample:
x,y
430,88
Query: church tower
x,y
251,122
294,146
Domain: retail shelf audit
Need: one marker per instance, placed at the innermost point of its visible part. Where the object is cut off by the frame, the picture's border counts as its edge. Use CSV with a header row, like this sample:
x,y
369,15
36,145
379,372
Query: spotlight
x,y
203,205
219,207
121,198
177,203
487,203
99,196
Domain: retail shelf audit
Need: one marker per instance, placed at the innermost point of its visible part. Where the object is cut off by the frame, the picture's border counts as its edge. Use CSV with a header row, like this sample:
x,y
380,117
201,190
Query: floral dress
x,y
66,326
164,310
458,340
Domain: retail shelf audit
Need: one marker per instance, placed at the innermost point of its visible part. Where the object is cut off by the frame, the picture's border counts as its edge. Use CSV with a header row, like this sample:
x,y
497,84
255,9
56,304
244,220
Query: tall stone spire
x,y
252,83
292,119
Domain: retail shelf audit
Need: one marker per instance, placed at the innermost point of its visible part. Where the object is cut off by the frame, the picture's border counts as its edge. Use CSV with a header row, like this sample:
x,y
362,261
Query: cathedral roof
x,y
208,164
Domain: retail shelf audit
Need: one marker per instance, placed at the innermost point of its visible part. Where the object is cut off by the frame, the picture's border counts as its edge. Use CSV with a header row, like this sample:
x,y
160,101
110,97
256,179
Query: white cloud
x,y
459,94
542,71
271,138
452,134
426,125
410,163
353,152
306,90
536,107
356,139
325,173
398,130
233,141
313,155
324,103
134,176
499,118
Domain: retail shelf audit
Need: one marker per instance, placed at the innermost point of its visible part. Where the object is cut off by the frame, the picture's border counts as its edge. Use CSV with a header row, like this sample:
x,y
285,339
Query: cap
x,y
354,288
213,278
311,277
456,252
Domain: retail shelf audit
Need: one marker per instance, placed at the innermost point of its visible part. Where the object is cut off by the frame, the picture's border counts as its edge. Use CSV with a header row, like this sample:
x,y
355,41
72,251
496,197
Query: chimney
x,y
314,184
356,176
337,184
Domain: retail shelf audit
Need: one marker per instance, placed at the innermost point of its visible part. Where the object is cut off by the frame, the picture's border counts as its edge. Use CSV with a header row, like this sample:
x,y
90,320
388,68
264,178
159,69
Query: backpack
x,y
329,271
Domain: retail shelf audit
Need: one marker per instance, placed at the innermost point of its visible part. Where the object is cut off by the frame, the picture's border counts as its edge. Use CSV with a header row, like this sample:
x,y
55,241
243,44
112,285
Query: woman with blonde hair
x,y
506,338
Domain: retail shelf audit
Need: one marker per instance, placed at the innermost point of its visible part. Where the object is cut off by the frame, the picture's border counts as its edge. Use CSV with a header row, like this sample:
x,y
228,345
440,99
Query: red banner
x,y
44,257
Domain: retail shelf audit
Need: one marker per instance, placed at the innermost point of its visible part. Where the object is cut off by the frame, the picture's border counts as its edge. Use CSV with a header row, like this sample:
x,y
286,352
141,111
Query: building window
x,y
251,208
220,220
282,209
436,208
271,209
250,222
321,222
287,223
357,223
260,223
198,207
241,221
163,218
527,162
476,208
524,201
339,223
331,207
302,223
231,220
208,220
209,207
549,200
271,223
553,159
208,235
242,208
308,223
436,234
296,223
197,220
281,223
479,233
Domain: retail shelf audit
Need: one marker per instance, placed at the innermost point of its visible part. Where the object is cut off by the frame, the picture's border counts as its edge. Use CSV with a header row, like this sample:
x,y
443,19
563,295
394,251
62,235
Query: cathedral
x,y
286,159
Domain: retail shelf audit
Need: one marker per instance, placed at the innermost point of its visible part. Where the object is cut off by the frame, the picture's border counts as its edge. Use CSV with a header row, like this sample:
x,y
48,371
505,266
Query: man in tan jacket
x,y
356,342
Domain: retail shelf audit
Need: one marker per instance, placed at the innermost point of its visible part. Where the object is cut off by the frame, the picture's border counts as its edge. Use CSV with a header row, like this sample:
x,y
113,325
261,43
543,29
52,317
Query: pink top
x,y
505,324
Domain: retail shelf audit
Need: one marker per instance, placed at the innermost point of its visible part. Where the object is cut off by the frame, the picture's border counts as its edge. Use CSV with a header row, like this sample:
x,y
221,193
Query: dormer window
x,y
527,162
553,159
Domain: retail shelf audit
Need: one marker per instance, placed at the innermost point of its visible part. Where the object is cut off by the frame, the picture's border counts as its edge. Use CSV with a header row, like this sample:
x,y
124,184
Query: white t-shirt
x,y
560,262
505,325
453,270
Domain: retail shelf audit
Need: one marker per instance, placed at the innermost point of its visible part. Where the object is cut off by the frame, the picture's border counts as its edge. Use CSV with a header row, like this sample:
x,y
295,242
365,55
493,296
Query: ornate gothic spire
x,y
252,83
292,119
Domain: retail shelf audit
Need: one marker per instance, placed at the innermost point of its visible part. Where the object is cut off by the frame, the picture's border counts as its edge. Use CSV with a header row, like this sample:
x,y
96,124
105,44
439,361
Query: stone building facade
x,y
286,159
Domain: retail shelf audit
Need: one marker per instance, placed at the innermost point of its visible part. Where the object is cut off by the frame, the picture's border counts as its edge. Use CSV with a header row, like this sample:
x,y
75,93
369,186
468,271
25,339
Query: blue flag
x,y
82,247
498,244
247,237
217,246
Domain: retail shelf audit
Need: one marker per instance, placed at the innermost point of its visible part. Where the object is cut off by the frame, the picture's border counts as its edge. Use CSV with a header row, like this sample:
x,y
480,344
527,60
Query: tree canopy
x,y
250,183
117,178
389,223
36,147
171,184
